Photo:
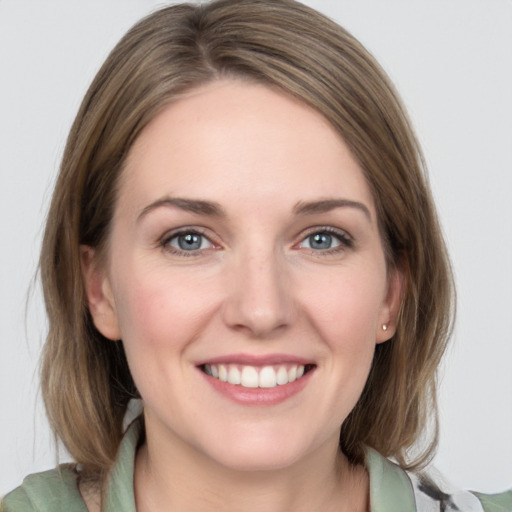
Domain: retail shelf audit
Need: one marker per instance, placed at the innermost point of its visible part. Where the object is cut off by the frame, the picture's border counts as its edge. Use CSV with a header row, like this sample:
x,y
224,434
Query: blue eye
x,y
325,241
189,241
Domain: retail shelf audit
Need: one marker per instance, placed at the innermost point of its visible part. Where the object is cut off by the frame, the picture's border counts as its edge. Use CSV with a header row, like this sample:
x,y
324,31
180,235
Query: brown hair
x,y
284,44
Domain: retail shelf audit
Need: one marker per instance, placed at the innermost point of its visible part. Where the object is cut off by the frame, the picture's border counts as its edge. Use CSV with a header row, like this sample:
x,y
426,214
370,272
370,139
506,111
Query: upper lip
x,y
257,360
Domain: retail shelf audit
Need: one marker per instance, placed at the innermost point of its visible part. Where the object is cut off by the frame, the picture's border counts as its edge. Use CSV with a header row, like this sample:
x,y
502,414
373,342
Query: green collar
x,y
390,487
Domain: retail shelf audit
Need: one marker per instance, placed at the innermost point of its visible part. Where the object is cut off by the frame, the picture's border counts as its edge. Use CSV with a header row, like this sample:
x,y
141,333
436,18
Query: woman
x,y
238,237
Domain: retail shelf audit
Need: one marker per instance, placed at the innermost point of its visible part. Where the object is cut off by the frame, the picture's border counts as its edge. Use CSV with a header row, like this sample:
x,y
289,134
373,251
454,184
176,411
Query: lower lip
x,y
258,396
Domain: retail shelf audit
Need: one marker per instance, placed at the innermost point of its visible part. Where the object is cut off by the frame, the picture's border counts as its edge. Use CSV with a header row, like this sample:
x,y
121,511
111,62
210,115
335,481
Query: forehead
x,y
231,139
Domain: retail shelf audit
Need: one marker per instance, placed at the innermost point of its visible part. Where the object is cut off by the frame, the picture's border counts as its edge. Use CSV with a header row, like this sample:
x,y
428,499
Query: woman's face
x,y
246,277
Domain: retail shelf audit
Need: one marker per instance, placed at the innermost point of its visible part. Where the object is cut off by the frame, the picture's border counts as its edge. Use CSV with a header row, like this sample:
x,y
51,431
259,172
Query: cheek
x,y
345,307
161,308
347,319
159,316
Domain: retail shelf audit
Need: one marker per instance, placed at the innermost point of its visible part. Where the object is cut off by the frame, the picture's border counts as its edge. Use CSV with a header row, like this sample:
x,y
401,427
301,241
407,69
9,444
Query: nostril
x,y
259,303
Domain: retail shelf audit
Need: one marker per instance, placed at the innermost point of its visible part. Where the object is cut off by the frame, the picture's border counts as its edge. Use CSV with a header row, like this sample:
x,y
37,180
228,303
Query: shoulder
x,y
393,489
496,502
50,491
431,487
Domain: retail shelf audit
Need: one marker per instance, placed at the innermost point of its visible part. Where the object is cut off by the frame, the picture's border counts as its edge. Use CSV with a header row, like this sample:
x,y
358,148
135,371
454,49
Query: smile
x,y
256,377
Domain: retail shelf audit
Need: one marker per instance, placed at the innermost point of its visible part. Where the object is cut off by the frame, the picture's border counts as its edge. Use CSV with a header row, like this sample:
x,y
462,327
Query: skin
x,y
258,285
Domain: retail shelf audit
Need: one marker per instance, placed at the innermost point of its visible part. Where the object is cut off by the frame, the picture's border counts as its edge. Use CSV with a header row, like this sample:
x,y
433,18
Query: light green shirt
x,y
391,489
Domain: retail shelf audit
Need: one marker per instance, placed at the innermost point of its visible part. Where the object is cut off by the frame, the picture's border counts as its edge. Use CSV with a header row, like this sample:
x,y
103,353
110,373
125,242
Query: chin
x,y
258,461
252,453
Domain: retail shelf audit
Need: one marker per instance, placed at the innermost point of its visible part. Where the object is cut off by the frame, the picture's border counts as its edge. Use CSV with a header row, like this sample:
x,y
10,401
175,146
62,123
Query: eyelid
x,y
346,240
164,240
327,229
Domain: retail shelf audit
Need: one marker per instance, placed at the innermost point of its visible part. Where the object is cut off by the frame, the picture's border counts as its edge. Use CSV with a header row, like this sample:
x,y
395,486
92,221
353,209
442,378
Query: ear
x,y
99,294
391,306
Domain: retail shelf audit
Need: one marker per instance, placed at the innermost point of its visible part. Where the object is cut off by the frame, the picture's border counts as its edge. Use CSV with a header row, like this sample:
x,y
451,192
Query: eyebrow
x,y
198,206
326,205
213,209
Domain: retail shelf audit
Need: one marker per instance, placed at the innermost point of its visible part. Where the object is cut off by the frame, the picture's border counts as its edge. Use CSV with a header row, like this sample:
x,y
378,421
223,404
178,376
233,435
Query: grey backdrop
x,y
450,59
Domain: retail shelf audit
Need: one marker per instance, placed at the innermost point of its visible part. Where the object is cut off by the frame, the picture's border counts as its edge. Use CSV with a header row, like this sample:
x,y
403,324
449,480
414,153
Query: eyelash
x,y
344,239
168,237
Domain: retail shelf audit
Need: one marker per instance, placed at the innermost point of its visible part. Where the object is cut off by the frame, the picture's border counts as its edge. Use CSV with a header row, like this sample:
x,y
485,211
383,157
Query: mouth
x,y
251,376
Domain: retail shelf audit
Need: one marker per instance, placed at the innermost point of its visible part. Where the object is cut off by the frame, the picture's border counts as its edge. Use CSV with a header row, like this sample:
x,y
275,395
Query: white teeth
x,y
282,376
234,375
251,377
268,377
223,373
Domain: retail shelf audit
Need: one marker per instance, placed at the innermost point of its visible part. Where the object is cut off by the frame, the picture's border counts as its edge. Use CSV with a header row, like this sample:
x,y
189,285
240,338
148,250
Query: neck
x,y
179,479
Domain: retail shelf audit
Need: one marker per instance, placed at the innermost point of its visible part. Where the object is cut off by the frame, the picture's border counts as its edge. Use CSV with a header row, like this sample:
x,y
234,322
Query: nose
x,y
260,299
